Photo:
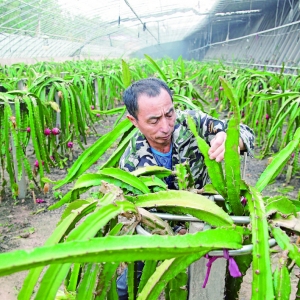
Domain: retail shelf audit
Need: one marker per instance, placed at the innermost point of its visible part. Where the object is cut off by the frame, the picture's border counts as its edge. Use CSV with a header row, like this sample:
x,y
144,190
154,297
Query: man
x,y
164,137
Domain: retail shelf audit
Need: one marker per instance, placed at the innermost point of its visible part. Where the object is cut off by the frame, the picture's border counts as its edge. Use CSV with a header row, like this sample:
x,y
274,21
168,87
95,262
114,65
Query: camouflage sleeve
x,y
125,162
247,136
208,127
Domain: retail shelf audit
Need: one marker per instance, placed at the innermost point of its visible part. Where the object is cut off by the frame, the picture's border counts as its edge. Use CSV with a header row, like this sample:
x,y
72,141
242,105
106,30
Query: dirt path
x,y
24,225
35,229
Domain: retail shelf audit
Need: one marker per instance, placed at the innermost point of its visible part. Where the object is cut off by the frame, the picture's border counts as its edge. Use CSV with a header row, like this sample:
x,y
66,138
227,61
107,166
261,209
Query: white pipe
x,y
188,218
246,249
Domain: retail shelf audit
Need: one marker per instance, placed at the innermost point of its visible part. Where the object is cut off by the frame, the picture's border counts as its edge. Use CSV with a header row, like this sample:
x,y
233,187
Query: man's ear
x,y
132,120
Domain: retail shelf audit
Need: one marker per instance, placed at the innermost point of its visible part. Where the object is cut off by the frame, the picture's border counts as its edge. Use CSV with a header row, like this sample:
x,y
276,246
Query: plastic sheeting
x,y
111,28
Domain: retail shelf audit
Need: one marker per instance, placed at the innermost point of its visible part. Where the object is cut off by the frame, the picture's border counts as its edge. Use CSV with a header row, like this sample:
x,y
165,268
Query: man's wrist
x,y
242,145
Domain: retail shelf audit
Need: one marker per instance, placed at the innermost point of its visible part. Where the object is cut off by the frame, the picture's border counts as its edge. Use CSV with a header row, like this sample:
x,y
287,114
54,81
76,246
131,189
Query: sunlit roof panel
x,y
77,24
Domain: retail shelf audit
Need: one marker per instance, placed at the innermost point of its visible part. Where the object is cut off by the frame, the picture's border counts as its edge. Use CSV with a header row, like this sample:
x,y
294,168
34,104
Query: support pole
x,y
216,284
58,122
57,100
22,187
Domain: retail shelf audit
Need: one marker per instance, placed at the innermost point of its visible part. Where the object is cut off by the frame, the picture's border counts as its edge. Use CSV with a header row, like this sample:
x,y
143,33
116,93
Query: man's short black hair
x,y
150,86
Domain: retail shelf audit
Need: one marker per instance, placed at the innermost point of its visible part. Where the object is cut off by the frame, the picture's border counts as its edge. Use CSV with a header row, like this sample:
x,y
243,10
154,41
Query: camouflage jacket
x,y
138,153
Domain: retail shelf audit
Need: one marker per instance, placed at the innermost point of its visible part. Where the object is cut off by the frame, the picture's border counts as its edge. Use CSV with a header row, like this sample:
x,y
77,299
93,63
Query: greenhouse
x,y
149,149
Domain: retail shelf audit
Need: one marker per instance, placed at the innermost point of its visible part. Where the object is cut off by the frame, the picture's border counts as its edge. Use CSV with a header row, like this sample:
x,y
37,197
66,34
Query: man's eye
x,y
169,115
154,121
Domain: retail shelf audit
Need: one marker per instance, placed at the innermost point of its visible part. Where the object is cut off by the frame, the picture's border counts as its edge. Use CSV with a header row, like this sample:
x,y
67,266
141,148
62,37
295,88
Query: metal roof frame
x,y
36,29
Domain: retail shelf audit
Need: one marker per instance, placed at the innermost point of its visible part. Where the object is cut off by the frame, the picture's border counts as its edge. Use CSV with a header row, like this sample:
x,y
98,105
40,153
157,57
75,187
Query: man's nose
x,y
164,126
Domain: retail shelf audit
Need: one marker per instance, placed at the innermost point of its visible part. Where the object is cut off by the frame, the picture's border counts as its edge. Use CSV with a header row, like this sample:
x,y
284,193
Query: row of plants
x,y
56,110
91,241
62,101
50,112
269,102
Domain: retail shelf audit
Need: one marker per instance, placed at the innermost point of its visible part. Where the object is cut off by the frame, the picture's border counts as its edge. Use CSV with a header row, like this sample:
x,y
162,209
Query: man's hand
x,y
217,146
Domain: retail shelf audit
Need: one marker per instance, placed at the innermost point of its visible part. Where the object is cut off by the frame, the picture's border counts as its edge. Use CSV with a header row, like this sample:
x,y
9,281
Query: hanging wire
x,y
119,20
144,24
291,4
282,12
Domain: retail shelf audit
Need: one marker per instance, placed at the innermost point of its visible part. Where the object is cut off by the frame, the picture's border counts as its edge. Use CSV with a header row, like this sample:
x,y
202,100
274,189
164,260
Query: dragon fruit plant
x,y
92,240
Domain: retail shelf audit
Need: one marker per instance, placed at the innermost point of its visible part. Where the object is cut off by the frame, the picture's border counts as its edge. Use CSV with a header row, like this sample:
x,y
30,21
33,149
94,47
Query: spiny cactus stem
x,y
262,276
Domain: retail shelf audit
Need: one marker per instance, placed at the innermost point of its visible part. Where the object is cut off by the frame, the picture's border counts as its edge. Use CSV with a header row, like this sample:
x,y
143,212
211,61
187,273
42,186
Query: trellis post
x,y
216,284
22,186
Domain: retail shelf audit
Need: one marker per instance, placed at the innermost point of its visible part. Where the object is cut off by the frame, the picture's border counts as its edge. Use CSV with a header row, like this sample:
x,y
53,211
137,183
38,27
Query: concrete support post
x,y
57,100
216,283
58,122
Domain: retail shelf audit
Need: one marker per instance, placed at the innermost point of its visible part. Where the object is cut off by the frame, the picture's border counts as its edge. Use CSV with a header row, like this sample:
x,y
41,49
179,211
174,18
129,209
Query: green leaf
x,y
126,177
121,248
209,189
214,168
148,270
280,116
165,272
76,205
232,156
262,274
109,112
116,155
105,279
181,66
74,279
278,162
187,203
68,197
87,284
180,99
280,204
178,286
156,67
90,155
153,181
282,282
184,176
108,272
125,74
109,208
118,177
61,229
232,168
284,243
160,172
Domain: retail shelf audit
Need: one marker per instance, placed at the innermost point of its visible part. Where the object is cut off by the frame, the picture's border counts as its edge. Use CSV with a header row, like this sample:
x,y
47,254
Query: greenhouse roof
x,y
67,28
111,28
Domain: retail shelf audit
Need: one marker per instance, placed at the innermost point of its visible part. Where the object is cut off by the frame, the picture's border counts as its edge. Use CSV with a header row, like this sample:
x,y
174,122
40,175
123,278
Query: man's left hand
x,y
217,146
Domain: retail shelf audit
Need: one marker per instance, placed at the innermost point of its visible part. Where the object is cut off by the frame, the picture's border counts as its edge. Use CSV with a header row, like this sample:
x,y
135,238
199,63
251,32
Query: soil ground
x,y
24,224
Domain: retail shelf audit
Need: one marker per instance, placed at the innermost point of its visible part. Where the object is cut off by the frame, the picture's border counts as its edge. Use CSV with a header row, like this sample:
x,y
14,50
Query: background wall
x,y
251,38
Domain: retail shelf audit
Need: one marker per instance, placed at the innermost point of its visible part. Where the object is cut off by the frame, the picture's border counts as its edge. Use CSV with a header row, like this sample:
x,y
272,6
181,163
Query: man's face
x,y
156,119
